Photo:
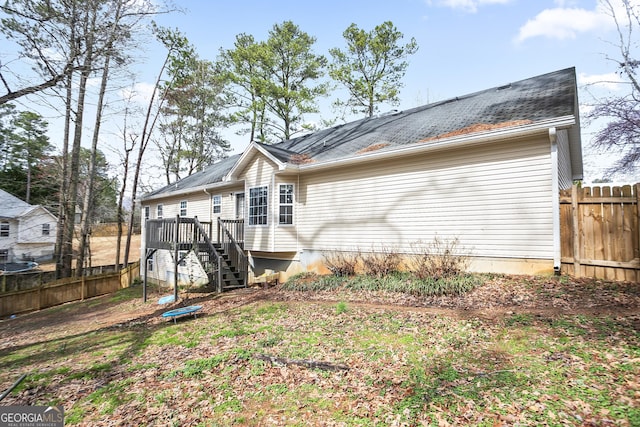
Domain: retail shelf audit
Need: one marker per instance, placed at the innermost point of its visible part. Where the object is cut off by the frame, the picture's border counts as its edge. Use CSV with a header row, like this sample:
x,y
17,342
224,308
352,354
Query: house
x,y
27,232
485,168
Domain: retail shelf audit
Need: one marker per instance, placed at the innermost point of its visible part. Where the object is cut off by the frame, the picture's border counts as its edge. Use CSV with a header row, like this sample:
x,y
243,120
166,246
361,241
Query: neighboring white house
x,y
485,168
27,232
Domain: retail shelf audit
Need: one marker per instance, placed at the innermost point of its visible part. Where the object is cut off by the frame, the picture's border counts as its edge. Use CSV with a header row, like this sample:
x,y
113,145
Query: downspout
x,y
296,217
274,198
555,200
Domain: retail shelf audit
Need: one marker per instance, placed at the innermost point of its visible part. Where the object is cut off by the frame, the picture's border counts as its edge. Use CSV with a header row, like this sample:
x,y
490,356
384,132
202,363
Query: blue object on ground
x,y
167,299
191,309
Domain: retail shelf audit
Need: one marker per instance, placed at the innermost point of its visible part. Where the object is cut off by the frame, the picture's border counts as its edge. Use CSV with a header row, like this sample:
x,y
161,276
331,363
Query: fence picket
x,y
602,226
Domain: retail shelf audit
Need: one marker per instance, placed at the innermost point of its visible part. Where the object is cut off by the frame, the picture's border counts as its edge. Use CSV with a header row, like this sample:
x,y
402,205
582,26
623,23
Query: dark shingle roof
x,y
544,97
539,98
210,175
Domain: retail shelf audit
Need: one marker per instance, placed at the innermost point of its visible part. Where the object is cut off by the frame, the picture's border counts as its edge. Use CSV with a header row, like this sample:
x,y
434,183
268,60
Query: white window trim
x,y
186,205
248,201
159,207
215,205
292,204
147,212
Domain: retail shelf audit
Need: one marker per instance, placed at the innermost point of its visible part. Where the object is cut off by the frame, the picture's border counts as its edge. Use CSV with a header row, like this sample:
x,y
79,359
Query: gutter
x,y
190,190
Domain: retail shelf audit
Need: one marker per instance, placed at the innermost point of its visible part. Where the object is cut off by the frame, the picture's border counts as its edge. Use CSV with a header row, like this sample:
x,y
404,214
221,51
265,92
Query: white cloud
x,y
470,6
609,81
564,22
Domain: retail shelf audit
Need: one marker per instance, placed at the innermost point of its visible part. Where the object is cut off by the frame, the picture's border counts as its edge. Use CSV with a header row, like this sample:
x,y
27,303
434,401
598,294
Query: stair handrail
x,y
212,251
240,257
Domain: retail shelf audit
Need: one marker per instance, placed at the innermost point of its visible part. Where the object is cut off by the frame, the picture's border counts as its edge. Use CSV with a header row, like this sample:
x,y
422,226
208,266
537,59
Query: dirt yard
x,y
103,251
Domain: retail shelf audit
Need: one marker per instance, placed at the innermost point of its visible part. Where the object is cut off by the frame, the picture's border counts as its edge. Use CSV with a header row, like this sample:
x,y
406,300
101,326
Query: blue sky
x,y
464,45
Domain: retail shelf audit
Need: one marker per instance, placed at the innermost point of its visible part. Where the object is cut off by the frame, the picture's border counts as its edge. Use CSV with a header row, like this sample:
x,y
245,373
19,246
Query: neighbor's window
x,y
258,204
286,204
159,212
46,228
150,264
182,258
217,204
4,255
183,208
4,229
146,213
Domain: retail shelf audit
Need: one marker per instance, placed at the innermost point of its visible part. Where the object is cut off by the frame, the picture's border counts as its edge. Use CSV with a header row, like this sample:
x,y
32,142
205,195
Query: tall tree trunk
x,y
87,206
74,167
28,195
64,182
63,196
87,209
127,153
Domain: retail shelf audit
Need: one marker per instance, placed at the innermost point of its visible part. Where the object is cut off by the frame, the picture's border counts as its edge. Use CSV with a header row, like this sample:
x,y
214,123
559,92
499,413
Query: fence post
x,y
576,231
637,254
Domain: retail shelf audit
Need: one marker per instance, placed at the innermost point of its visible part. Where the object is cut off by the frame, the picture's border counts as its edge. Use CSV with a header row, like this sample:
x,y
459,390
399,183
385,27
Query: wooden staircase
x,y
224,260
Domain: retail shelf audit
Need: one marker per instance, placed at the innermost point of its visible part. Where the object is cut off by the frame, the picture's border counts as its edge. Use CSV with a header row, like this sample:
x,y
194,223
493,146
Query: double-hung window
x,y
217,204
4,229
286,204
46,229
183,208
159,212
258,205
146,213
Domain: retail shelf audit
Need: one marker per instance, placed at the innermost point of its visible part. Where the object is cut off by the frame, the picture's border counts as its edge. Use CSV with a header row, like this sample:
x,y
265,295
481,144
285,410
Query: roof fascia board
x,y
190,190
541,127
246,156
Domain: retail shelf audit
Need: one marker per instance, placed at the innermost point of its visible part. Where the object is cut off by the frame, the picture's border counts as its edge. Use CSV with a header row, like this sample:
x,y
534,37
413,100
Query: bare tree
x,y
178,52
622,132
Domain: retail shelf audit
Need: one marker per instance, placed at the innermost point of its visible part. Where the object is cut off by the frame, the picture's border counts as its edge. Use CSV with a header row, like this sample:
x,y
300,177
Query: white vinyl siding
x,y
496,199
260,173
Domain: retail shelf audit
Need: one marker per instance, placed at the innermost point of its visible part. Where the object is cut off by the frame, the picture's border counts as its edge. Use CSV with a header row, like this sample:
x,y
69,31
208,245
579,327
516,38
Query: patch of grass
x,y
108,398
341,307
197,367
519,319
126,294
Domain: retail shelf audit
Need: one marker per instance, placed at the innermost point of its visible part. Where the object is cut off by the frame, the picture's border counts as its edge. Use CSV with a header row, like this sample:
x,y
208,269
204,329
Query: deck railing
x,y
235,227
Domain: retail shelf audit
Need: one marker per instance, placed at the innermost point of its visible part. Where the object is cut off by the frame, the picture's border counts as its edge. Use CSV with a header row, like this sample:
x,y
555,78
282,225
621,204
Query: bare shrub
x,y
380,262
437,259
341,263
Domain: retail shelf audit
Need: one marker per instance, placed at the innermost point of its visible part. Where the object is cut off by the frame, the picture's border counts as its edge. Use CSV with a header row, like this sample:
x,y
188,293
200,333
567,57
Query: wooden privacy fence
x,y
66,290
600,233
